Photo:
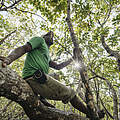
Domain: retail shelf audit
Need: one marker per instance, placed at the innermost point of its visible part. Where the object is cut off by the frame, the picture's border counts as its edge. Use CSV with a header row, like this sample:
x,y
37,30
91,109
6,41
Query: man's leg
x,y
42,99
57,91
54,90
51,89
76,103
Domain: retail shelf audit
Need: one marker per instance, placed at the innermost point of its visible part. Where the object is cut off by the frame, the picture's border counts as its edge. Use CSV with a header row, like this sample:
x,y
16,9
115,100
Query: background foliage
x,y
33,18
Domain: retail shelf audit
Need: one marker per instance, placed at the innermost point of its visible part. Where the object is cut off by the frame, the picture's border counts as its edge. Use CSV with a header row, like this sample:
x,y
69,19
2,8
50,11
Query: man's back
x,y
38,58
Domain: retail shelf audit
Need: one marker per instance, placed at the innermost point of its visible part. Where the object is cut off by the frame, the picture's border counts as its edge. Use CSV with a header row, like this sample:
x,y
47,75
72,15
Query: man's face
x,y
49,38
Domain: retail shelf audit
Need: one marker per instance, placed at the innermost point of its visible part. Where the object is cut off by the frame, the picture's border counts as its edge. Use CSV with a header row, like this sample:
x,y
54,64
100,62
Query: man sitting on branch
x,y
35,72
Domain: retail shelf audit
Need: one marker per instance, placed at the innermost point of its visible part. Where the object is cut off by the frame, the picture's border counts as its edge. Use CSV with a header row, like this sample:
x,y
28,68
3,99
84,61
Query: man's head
x,y
49,38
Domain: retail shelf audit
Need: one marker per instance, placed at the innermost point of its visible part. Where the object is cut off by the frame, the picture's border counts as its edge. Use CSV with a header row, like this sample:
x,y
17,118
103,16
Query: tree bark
x,y
13,87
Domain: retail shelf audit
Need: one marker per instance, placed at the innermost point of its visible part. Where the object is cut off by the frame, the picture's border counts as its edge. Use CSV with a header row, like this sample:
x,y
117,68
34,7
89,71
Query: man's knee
x,y
69,96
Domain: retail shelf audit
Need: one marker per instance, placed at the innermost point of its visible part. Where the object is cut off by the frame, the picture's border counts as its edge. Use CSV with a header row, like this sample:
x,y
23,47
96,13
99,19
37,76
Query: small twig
x,y
99,22
106,2
93,77
12,5
63,47
108,15
2,4
1,42
30,13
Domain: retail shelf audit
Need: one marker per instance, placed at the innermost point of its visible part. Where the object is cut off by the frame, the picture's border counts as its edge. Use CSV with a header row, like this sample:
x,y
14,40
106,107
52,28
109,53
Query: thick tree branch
x,y
11,6
74,39
1,42
115,54
97,91
82,68
16,89
107,48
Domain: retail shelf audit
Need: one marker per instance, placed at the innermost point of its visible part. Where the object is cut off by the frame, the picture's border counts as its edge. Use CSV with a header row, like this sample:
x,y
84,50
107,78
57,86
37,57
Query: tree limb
x,y
115,54
102,37
72,34
107,48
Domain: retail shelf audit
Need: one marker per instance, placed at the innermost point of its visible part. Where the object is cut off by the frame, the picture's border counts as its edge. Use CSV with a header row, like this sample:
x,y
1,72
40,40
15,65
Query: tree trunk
x,y
78,57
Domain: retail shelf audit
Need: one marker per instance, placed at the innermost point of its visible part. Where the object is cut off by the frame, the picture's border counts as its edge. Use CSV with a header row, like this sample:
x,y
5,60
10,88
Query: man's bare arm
x,y
61,65
15,54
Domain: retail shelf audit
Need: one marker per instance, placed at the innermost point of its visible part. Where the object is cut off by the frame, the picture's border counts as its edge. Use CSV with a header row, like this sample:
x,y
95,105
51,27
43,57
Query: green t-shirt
x,y
38,58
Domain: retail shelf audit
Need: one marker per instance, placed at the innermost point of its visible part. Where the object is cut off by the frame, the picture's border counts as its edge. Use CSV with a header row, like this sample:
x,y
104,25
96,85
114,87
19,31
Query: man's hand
x,y
15,54
61,65
2,60
4,64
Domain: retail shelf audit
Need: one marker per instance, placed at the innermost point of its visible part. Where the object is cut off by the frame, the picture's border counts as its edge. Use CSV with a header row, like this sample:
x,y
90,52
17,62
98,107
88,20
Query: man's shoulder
x,y
36,42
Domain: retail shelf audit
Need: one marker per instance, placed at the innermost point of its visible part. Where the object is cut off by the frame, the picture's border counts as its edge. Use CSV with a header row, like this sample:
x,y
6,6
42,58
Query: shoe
x,y
101,114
